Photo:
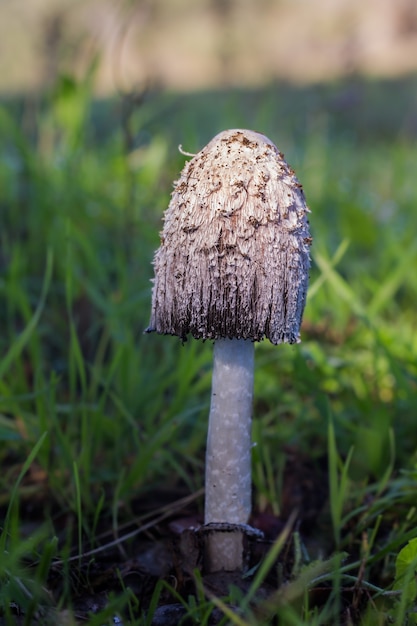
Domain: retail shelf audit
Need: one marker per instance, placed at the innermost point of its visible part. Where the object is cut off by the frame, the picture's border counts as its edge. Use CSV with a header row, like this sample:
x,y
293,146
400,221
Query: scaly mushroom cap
x,y
234,254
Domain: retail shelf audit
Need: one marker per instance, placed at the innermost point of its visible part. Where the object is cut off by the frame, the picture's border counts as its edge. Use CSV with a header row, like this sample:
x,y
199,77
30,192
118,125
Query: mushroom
x,y
232,267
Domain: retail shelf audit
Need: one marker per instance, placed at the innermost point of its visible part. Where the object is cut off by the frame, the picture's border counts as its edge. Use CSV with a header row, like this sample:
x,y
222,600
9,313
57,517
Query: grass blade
x,y
18,345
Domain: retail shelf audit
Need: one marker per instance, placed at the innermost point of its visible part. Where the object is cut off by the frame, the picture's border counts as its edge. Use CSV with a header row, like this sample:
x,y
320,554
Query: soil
x,y
169,547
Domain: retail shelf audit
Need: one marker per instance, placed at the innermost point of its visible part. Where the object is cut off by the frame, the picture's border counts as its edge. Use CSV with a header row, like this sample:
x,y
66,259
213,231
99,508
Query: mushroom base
x,y
226,546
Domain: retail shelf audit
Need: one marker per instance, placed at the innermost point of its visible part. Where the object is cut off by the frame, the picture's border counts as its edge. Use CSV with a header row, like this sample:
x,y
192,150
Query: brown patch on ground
x,y
164,543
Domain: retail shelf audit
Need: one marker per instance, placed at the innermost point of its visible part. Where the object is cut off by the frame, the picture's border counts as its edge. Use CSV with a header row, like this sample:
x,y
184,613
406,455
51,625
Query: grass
x,y
99,422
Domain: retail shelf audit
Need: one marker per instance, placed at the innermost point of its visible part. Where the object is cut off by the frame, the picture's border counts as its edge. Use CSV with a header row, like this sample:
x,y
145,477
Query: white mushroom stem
x,y
228,456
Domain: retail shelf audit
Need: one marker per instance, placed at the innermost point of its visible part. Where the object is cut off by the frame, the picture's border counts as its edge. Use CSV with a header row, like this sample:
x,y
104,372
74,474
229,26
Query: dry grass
x,y
186,45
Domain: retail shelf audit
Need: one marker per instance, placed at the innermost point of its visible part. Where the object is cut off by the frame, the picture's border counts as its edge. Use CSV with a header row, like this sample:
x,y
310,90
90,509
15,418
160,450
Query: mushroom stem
x,y
228,455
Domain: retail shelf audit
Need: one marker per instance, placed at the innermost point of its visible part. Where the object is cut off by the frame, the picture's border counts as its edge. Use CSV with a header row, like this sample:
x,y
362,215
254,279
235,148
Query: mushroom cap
x,y
234,255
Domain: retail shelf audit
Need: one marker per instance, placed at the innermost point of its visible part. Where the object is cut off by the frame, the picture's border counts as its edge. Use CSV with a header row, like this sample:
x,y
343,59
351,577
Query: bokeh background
x,y
103,427
197,44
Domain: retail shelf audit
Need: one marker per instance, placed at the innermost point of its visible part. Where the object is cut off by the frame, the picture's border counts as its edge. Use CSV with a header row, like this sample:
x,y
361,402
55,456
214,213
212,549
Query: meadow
x,y
102,427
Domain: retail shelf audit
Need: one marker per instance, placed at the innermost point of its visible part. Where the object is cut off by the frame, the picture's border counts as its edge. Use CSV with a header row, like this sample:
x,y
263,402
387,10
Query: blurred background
x,y
198,44
95,97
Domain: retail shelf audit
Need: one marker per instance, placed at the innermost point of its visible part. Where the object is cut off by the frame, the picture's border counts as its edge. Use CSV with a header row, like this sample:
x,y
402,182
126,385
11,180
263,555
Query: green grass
x,y
95,416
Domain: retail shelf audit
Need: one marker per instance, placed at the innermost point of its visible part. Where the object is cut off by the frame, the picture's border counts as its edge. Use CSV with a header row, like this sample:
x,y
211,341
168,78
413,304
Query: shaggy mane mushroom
x,y
232,267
